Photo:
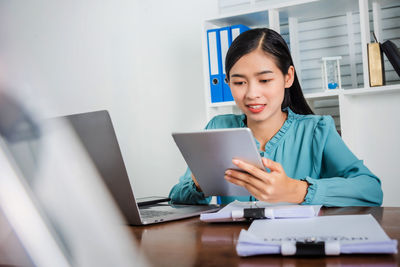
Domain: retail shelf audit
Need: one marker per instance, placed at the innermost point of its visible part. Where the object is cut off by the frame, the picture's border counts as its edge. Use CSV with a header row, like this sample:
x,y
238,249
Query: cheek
x,y
277,90
277,93
238,97
237,93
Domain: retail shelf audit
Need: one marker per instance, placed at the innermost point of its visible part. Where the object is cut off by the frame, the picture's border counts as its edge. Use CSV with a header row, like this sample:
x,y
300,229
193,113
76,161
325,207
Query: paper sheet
x,y
354,234
282,210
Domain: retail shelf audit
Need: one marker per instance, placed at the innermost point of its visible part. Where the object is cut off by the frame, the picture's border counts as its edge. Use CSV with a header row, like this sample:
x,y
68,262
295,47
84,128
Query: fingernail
x,y
235,161
227,172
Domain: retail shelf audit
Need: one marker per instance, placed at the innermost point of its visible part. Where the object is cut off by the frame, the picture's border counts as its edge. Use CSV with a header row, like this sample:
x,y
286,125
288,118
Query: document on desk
x,y
324,235
234,211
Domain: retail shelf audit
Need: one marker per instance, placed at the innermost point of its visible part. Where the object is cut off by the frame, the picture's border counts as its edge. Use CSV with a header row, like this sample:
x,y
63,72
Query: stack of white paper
x,y
341,234
273,211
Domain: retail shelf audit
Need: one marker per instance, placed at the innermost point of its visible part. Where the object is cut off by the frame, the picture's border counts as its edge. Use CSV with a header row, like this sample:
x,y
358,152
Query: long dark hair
x,y
272,44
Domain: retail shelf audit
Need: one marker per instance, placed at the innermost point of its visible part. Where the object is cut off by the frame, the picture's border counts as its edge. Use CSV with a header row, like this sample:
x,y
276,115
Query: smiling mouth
x,y
256,108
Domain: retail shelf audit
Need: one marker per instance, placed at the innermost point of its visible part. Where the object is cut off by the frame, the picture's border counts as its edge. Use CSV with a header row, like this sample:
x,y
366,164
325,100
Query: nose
x,y
253,90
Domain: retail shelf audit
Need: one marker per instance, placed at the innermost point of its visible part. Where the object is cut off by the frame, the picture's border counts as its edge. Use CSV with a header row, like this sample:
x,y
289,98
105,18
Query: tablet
x,y
209,154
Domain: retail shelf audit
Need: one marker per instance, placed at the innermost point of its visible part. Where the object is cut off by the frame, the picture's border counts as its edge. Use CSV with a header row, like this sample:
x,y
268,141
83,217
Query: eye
x,y
238,83
264,81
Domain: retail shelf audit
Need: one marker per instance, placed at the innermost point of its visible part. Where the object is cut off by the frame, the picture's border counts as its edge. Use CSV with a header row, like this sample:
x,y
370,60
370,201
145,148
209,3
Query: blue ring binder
x,y
214,64
219,41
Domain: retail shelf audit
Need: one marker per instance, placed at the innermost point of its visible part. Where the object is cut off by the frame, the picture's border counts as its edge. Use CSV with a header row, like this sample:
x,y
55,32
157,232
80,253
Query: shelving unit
x,y
366,117
317,28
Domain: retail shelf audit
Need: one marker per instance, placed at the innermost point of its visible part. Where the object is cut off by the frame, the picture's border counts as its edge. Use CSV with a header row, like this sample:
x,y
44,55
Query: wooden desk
x,y
191,242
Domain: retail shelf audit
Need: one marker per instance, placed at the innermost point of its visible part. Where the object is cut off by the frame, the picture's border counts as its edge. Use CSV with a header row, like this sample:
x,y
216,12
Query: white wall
x,y
141,60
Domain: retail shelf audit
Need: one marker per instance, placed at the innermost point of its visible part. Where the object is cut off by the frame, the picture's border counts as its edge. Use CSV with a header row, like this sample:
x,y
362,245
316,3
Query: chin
x,y
257,117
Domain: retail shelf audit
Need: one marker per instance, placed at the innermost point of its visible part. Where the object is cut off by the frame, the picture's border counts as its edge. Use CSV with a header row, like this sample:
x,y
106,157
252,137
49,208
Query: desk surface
x,y
191,242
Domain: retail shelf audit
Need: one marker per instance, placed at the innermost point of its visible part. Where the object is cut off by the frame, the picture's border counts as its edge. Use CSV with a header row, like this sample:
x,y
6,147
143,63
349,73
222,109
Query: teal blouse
x,y
310,149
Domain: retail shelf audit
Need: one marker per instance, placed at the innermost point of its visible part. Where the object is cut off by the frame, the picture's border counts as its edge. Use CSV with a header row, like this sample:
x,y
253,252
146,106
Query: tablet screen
x,y
209,154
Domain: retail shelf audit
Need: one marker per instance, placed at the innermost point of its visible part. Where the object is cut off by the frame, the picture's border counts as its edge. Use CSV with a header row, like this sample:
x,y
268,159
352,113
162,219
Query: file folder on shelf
x,y
226,40
219,41
375,65
236,30
214,61
233,32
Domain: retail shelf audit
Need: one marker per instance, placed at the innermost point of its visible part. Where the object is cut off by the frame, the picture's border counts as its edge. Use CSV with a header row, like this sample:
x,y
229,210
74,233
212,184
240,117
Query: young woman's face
x,y
258,85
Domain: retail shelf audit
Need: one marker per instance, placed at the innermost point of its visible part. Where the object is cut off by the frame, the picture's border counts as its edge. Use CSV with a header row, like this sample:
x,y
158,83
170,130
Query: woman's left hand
x,y
274,186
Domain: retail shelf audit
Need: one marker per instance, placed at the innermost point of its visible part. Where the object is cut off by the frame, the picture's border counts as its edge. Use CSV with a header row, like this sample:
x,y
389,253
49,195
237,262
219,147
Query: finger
x,y
265,162
253,190
253,170
196,183
272,165
246,178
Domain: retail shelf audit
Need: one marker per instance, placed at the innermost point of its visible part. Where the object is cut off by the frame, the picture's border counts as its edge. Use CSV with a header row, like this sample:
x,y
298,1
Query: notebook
x,y
96,131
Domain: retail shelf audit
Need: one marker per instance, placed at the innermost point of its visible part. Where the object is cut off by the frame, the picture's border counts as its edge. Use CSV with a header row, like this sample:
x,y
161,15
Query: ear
x,y
289,77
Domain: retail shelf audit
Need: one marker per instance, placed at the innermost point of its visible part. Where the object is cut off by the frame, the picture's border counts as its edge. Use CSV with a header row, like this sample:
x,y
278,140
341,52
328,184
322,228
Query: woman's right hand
x,y
196,183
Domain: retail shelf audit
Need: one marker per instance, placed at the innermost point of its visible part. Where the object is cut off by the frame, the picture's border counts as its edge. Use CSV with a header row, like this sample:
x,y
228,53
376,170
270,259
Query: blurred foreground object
x,y
52,197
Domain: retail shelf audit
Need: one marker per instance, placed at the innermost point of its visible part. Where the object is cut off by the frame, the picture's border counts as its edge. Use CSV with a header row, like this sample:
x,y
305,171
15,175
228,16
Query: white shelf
x,y
323,95
319,8
256,14
222,104
387,89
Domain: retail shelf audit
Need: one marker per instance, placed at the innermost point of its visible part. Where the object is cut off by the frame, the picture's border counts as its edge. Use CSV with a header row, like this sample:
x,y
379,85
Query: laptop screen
x,y
96,132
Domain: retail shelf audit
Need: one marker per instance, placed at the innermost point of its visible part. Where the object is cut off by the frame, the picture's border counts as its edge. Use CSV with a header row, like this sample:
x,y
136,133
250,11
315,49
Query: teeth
x,y
256,106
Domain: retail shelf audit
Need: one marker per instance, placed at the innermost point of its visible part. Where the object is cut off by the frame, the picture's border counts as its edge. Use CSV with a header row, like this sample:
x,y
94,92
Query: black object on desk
x,y
145,201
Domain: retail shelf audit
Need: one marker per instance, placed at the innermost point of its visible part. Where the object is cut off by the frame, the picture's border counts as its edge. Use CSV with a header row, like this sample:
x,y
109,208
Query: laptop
x,y
96,132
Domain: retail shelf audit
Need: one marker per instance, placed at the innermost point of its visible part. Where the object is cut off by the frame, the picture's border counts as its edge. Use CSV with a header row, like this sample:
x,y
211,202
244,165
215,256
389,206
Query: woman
x,y
307,161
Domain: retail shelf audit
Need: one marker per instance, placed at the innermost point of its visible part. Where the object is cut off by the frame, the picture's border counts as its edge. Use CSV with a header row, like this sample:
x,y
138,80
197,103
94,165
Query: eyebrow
x,y
264,72
258,73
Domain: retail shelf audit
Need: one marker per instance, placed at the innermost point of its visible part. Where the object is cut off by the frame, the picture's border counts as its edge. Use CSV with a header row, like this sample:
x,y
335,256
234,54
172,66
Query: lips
x,y
256,108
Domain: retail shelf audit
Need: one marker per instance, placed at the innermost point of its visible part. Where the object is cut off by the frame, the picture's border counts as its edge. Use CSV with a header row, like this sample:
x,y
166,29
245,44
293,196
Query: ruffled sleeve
x,y
185,191
343,179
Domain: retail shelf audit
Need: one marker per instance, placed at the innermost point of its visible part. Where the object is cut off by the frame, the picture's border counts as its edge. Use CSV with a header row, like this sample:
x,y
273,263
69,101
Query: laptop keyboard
x,y
147,213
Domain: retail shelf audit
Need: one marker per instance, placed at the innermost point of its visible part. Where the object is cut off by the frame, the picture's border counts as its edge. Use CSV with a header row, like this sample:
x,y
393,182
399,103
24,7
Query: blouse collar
x,y
279,135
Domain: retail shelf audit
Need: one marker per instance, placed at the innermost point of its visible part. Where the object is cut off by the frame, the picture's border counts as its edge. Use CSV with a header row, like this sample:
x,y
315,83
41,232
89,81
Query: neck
x,y
265,130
